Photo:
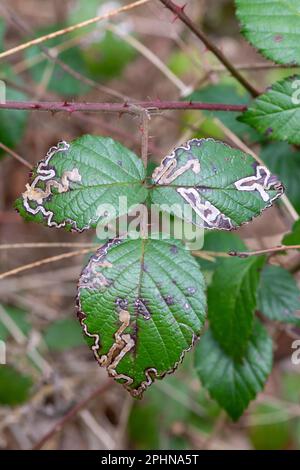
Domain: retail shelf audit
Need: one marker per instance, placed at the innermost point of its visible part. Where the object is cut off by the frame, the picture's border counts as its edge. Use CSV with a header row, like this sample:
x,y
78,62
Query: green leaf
x,y
272,27
104,53
2,33
232,301
139,311
15,387
19,317
71,183
269,427
284,160
293,238
108,57
222,186
276,113
227,93
12,123
233,383
279,295
219,242
63,334
46,71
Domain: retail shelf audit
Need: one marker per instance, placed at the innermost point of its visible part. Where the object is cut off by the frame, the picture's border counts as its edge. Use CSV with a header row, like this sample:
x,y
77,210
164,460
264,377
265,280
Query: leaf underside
x,y
140,312
224,187
275,114
273,27
68,186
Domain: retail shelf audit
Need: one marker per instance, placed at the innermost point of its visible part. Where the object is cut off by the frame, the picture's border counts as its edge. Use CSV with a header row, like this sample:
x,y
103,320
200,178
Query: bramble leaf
x,y
74,179
232,301
284,161
223,187
293,238
272,27
233,383
276,113
279,295
139,311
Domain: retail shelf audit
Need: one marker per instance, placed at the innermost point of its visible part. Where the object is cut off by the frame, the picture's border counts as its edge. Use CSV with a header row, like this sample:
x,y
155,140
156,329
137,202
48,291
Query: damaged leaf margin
x,y
139,314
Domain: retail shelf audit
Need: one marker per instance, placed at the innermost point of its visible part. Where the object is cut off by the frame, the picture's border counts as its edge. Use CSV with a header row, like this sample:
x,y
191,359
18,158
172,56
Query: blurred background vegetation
x,y
50,370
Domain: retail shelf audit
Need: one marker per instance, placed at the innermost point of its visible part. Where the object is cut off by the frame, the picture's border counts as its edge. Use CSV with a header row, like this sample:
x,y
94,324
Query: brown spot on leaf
x,y
169,299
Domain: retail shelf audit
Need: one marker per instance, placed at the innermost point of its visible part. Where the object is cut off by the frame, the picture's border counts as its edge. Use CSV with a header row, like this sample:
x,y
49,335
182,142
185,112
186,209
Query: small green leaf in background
x,y
15,387
279,295
63,334
269,428
219,242
46,71
233,383
284,161
107,58
2,33
19,317
104,53
12,123
231,302
276,113
223,186
140,313
90,172
272,27
227,93
293,238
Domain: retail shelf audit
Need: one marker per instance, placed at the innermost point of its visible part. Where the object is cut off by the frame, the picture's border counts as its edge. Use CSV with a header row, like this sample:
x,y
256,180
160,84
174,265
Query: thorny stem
x,y
145,136
156,105
71,414
179,12
275,249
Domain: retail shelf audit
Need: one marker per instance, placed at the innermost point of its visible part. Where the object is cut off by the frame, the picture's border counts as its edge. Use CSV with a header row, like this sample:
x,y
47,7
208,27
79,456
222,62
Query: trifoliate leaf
x,y
213,185
232,301
276,113
272,27
80,183
279,295
233,383
139,310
